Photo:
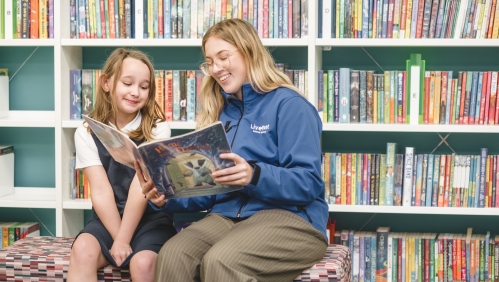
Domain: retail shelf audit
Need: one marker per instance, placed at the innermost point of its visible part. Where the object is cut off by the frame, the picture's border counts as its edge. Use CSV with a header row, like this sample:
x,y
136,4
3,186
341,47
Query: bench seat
x,y
47,259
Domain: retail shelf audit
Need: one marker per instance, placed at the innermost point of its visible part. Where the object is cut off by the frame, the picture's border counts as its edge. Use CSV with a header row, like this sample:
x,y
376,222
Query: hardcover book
x,y
179,166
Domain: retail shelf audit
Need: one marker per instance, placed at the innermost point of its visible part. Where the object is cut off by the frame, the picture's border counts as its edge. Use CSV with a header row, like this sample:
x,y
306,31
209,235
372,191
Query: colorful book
x,y
180,166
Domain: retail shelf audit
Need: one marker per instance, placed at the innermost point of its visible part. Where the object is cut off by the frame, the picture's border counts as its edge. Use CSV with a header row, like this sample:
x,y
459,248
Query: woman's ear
x,y
104,82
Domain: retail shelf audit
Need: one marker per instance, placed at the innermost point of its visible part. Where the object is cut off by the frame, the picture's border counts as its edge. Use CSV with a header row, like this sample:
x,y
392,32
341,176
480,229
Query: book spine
x,y
6,150
362,97
75,100
408,172
191,95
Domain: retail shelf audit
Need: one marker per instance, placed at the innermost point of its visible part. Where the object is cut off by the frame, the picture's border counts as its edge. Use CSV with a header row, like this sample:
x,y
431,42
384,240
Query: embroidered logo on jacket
x,y
260,129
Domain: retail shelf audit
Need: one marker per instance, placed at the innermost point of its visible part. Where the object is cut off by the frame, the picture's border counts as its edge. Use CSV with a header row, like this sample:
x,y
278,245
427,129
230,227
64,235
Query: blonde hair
x,y
105,108
262,73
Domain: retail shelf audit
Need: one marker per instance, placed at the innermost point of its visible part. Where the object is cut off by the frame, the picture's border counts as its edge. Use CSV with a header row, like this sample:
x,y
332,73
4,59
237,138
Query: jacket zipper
x,y
241,207
304,209
241,111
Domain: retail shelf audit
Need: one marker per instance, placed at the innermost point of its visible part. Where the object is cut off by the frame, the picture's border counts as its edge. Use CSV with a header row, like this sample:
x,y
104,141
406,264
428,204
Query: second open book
x,y
179,166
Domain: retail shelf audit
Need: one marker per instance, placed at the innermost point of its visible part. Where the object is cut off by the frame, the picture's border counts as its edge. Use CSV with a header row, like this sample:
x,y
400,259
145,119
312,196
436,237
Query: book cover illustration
x,y
180,166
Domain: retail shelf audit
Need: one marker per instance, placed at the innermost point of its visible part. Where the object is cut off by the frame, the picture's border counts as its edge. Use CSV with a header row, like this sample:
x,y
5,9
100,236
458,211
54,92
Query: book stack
x,y
13,231
6,170
4,94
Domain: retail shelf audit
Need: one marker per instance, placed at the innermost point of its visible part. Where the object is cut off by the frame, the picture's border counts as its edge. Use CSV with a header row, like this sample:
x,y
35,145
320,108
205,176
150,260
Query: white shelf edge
x,y
364,127
71,123
414,210
77,204
29,197
387,42
170,42
131,42
182,124
29,119
172,124
27,42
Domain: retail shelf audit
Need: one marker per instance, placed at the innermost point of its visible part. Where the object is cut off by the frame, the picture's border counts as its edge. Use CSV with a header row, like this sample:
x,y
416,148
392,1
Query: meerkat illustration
x,y
199,172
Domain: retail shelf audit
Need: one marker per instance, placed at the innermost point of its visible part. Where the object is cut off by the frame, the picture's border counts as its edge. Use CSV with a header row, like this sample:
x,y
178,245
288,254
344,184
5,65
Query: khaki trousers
x,y
271,245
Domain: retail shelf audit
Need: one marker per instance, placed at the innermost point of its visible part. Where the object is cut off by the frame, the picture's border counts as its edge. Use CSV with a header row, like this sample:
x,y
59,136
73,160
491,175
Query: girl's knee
x,y
85,250
142,266
143,261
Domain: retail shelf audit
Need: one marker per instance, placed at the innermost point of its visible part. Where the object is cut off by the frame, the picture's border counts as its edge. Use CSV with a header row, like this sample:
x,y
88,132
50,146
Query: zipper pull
x,y
304,209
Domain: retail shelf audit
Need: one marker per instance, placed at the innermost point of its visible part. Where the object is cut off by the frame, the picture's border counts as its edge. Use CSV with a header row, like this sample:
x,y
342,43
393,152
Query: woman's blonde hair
x,y
262,73
105,108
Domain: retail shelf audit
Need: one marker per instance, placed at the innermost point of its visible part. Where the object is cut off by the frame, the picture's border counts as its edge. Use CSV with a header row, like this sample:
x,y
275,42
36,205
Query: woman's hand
x,y
150,192
240,174
120,251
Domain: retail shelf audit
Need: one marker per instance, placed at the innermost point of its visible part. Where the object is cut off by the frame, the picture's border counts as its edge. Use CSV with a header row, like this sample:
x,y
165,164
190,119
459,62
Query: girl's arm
x,y
103,199
134,209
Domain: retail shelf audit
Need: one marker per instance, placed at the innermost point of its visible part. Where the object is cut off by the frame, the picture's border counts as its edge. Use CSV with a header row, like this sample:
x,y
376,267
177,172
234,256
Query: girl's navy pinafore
x,y
153,230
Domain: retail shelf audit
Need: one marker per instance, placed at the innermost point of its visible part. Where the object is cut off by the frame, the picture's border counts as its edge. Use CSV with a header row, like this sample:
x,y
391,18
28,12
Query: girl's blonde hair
x,y
105,108
262,73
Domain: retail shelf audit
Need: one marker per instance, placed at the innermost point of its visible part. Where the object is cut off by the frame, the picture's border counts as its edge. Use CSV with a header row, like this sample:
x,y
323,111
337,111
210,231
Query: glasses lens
x,y
205,69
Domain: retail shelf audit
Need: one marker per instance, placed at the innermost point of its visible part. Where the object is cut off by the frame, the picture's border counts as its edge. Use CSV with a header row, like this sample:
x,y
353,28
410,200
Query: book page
x,y
181,166
119,145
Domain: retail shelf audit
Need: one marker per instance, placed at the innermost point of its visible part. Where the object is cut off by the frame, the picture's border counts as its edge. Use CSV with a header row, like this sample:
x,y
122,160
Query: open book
x,y
179,166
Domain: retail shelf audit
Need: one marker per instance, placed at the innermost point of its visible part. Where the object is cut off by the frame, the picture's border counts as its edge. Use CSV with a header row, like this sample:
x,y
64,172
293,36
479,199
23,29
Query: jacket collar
x,y
249,94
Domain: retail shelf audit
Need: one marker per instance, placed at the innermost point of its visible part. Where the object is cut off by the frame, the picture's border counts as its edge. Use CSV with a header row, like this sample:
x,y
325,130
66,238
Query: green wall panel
x,y
416,222
394,58
188,58
32,88
46,218
34,149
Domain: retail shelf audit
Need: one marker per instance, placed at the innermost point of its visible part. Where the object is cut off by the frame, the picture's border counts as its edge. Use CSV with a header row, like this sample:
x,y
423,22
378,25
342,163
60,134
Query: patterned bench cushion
x,y
335,266
44,258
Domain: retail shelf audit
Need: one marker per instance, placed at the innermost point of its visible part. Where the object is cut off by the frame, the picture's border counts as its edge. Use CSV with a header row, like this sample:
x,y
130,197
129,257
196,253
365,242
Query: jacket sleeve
x,y
297,180
193,204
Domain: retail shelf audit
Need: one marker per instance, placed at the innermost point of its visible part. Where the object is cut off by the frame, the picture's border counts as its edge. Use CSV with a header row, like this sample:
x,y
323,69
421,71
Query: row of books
x,y
408,19
471,98
411,179
176,91
13,231
362,96
26,19
405,256
79,185
184,18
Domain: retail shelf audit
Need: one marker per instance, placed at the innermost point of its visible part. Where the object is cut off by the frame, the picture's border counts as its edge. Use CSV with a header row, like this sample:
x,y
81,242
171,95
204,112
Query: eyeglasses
x,y
222,62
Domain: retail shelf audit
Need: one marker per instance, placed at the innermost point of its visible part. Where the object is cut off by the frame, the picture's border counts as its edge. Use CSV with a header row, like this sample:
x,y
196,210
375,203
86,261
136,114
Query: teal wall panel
x,y
46,218
394,58
32,88
34,149
189,58
416,222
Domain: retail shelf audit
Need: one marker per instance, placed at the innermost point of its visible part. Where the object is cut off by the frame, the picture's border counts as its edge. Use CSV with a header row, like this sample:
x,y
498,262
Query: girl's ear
x,y
105,83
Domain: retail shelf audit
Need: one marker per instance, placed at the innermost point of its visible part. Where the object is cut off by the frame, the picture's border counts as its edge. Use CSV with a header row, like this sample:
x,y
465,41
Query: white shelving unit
x,y
68,55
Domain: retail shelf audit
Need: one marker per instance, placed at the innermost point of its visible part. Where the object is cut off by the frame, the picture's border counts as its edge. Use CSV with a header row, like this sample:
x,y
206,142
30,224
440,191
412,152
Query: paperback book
x,y
179,166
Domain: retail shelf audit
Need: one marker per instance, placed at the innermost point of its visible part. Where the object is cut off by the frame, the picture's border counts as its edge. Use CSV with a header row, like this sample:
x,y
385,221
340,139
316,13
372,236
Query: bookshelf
x,y
68,216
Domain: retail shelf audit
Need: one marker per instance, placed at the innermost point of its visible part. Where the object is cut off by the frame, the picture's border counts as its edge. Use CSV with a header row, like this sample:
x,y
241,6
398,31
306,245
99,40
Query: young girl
x,y
275,227
124,230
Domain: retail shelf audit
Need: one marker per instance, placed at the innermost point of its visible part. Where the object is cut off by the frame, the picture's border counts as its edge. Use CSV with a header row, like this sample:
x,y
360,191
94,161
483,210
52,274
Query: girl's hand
x,y
240,174
120,251
150,192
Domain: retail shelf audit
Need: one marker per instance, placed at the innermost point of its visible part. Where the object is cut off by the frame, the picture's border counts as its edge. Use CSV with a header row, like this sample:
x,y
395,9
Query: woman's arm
x,y
103,199
134,210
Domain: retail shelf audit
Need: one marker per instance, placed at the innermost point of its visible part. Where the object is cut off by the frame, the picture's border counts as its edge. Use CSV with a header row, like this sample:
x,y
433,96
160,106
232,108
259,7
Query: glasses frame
x,y
205,67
